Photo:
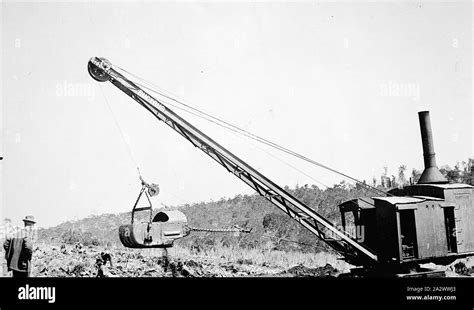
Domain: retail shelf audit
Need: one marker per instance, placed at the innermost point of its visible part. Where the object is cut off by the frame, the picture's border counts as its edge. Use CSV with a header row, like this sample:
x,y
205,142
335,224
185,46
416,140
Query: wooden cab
x,y
419,223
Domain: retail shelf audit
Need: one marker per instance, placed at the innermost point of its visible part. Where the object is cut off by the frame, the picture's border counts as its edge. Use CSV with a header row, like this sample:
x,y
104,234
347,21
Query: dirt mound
x,y
302,271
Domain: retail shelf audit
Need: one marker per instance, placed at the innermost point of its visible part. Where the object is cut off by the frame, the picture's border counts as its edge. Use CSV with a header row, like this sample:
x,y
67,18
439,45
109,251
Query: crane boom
x,y
102,70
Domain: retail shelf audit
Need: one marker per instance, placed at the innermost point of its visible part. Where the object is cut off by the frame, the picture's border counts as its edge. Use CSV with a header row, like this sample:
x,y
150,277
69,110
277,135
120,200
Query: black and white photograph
x,y
171,145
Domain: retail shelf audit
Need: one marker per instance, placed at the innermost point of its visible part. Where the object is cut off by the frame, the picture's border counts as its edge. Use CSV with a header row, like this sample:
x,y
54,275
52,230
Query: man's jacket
x,y
18,252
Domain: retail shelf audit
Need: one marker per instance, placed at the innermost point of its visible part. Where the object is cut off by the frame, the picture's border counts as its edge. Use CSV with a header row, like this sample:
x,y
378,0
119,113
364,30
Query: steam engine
x,y
431,221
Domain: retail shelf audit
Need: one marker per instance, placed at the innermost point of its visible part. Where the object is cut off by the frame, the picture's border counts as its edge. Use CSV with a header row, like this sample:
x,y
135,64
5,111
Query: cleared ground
x,y
79,261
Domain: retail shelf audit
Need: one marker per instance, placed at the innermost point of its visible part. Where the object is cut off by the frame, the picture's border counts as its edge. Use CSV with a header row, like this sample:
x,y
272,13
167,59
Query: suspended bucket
x,y
165,228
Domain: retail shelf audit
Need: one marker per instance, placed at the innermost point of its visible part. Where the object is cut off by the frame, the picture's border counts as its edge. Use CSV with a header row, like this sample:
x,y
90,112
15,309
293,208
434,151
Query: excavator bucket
x,y
166,227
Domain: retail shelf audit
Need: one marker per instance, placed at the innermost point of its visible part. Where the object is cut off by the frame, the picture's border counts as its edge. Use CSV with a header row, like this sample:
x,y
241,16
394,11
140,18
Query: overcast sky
x,y
340,83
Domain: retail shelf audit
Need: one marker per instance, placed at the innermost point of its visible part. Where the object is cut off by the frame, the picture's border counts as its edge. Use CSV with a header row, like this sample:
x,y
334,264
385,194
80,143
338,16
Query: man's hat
x,y
29,219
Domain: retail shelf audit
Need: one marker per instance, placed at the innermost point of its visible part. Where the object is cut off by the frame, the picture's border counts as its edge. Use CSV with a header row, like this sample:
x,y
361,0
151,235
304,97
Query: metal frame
x,y
352,250
150,207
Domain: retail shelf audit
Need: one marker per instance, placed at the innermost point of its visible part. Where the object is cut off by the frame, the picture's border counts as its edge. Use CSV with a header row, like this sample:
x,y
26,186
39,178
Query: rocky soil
x,y
80,261
92,261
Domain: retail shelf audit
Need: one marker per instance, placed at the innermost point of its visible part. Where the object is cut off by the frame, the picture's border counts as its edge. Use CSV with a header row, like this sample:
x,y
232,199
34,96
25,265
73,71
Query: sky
x,y
340,83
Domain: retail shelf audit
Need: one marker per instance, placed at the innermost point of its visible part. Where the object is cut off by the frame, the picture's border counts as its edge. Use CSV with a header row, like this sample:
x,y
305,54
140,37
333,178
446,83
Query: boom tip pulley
x,y
98,68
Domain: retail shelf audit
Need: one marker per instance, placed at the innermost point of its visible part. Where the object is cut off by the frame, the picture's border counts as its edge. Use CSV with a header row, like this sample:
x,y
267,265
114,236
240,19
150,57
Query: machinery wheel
x,y
97,73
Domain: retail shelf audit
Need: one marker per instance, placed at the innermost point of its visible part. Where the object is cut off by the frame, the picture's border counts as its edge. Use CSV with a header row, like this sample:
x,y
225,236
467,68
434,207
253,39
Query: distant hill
x,y
270,226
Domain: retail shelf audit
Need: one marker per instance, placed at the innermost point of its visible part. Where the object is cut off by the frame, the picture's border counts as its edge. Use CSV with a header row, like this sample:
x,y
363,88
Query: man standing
x,y
19,250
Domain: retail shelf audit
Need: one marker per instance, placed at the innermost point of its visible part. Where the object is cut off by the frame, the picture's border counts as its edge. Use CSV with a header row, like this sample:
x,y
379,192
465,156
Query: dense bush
x,y
85,238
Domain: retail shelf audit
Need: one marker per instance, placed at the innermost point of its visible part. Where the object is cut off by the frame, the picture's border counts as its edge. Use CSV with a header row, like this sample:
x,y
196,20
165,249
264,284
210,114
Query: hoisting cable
x,y
238,130
150,190
231,129
145,185
304,173
129,149
243,134
246,133
287,164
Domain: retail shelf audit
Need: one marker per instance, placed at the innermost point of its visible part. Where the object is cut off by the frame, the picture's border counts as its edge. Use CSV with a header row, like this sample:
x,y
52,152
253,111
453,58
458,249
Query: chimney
x,y
431,174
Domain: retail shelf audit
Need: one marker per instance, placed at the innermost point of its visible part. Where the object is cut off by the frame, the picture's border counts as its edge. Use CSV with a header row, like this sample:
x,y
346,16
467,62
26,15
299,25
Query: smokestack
x,y
431,174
